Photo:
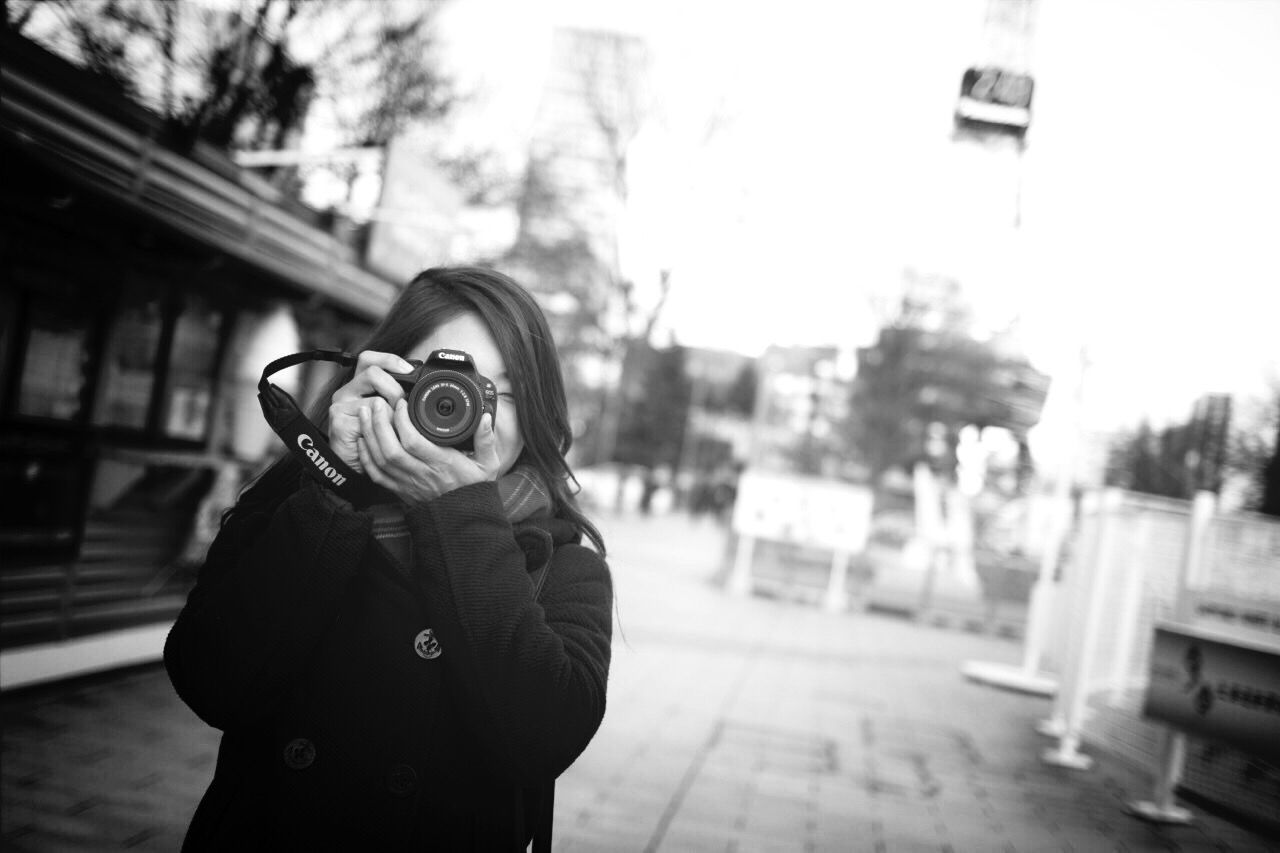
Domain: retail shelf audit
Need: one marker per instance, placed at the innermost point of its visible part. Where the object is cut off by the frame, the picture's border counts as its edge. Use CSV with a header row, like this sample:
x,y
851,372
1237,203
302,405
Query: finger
x,y
486,444
386,360
345,416
384,384
371,469
372,381
369,435
360,382
384,435
414,442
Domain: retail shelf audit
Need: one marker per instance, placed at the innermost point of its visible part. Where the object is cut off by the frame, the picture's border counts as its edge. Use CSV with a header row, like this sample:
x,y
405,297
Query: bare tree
x,y
1253,452
250,80
614,83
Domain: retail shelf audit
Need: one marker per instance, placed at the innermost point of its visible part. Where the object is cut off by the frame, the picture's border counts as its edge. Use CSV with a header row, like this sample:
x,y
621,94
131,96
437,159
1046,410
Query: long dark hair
x,y
520,330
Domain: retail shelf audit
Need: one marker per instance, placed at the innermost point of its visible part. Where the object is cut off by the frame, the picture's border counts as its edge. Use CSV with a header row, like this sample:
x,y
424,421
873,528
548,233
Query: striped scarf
x,y
523,495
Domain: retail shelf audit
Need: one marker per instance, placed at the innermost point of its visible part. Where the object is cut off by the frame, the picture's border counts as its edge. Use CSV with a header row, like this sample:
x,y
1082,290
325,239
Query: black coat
x,y
346,725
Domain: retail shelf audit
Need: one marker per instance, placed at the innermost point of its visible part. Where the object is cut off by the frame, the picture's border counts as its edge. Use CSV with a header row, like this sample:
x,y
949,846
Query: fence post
x,y
1027,678
1073,591
1127,611
1203,506
1067,753
837,598
1043,592
1163,807
740,578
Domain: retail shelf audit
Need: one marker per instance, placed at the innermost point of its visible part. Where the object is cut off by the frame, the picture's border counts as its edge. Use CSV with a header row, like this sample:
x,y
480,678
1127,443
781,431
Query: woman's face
x,y
467,332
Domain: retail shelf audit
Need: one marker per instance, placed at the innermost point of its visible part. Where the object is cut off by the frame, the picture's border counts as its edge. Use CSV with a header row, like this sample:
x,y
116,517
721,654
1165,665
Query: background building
x,y
801,404
724,385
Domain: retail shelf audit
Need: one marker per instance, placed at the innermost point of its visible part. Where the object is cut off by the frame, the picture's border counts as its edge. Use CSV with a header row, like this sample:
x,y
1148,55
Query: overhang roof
x,y
204,196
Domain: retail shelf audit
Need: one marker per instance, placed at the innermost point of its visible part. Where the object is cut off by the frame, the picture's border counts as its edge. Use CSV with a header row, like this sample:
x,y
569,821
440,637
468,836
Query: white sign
x,y
803,510
1217,688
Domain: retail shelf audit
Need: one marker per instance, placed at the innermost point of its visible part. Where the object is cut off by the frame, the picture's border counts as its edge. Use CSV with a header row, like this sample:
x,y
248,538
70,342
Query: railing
x,y
122,577
1138,561
110,603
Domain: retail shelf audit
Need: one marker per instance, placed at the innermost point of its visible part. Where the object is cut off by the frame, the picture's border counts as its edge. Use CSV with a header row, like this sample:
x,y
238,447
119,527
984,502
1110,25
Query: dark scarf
x,y
523,495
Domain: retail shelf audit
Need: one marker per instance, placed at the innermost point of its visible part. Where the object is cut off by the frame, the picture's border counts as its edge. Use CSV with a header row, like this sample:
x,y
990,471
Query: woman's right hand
x,y
371,386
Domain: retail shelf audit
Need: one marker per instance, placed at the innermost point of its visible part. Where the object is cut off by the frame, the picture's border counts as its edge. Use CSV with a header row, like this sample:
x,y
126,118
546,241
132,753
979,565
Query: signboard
x,y
995,97
1218,689
802,510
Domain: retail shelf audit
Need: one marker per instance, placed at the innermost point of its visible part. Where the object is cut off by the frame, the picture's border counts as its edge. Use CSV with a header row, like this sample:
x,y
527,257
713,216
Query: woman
x,y
389,678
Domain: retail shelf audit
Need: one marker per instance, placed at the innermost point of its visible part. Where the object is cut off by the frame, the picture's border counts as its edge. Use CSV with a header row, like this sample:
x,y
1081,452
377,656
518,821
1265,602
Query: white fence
x,y
1137,560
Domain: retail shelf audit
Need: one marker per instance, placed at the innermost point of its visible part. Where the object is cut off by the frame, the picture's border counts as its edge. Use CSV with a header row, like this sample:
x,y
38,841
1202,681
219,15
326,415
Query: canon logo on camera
x,y
451,356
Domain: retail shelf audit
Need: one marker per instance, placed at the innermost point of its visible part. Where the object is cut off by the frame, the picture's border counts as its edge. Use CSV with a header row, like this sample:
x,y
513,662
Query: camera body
x,y
447,396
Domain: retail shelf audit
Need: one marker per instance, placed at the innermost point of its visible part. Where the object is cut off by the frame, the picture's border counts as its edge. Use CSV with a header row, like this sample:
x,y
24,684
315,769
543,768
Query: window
x,y
48,478
192,365
8,326
54,366
129,361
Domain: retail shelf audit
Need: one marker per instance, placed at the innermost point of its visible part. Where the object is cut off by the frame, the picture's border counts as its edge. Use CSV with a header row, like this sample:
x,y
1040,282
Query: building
x,y
145,285
722,401
930,373
801,405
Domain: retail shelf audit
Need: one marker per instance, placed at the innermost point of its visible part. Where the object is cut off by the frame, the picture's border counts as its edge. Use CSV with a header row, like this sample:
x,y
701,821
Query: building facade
x,y
145,285
801,405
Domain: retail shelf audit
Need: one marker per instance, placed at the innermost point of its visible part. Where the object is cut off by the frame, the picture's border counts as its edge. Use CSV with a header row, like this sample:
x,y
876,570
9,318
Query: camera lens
x,y
446,404
446,409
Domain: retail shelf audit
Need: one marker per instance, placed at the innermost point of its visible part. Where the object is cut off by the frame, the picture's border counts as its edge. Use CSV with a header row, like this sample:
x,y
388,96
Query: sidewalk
x,y
733,725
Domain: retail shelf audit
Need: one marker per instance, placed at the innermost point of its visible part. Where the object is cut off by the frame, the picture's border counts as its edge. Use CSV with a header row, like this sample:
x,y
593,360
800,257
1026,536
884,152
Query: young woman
x,y
389,677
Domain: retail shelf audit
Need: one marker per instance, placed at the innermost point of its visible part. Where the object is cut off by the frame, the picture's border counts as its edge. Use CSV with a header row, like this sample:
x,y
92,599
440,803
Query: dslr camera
x,y
446,396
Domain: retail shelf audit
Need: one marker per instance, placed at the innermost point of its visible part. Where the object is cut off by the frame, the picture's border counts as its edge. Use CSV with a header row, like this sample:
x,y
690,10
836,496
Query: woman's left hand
x,y
399,458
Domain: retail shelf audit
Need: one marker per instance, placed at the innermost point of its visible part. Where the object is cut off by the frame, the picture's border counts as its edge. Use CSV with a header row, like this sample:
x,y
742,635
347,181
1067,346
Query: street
x,y
734,724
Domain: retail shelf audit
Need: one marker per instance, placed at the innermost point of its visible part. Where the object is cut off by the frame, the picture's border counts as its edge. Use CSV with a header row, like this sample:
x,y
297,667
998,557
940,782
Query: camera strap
x,y
309,445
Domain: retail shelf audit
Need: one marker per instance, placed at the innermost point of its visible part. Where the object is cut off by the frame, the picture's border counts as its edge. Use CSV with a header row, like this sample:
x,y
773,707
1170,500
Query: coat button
x,y
402,780
299,754
426,645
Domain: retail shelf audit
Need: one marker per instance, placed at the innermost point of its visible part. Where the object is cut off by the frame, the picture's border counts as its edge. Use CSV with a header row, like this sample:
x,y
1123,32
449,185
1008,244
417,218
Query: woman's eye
x,y
507,394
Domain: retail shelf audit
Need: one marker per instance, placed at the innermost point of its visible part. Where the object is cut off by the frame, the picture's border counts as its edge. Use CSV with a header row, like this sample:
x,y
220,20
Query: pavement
x,y
734,724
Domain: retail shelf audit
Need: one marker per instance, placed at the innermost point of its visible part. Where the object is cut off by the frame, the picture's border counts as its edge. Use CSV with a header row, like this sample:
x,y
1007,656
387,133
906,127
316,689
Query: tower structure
x,y
576,182
570,210
591,109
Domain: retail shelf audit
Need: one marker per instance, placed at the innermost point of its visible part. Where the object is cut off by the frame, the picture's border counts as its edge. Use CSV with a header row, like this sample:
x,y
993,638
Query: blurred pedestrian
x,y
416,673
724,490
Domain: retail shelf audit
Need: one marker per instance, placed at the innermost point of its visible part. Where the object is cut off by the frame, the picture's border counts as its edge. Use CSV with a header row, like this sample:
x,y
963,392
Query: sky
x,y
1141,223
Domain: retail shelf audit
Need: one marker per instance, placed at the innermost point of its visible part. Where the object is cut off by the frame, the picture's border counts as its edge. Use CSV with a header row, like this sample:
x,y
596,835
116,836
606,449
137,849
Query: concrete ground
x,y
734,724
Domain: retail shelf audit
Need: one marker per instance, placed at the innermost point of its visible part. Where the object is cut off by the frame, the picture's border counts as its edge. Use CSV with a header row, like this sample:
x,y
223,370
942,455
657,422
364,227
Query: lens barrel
x,y
447,397
445,407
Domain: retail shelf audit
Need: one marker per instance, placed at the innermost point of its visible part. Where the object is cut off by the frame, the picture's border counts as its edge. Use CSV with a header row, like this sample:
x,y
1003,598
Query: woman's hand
x,y
397,457
372,377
